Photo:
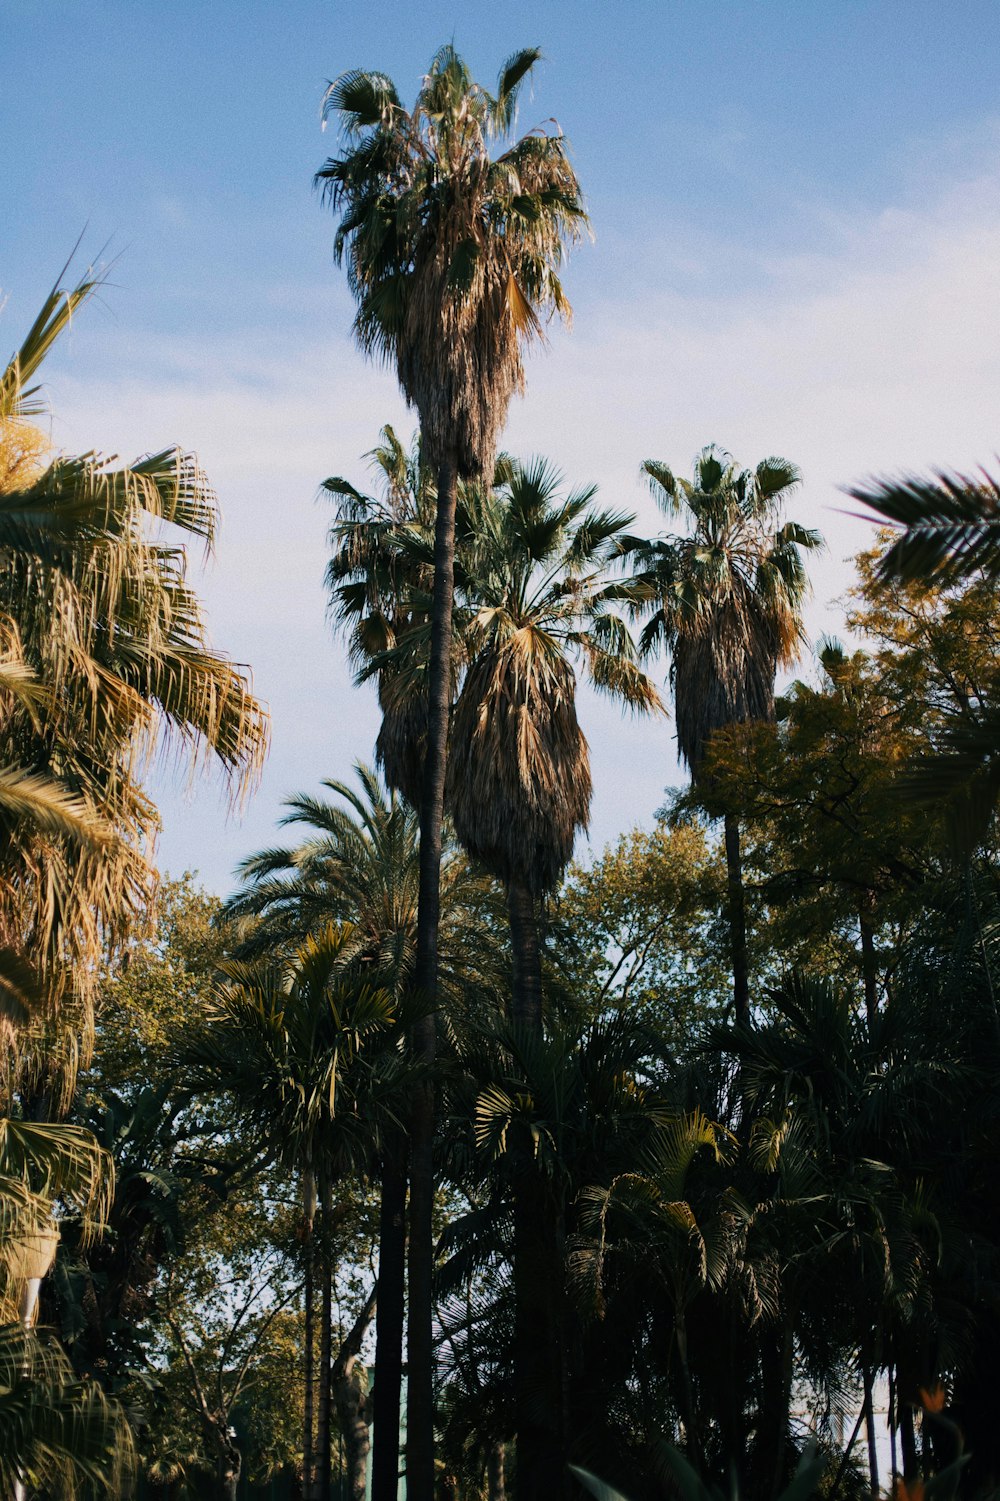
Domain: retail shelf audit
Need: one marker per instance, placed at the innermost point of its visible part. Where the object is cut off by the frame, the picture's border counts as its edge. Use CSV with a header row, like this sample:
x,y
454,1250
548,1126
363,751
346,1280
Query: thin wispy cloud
x,y
873,350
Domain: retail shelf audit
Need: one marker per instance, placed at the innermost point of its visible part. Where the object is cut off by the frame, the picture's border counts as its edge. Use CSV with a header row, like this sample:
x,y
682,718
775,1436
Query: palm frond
x,y
951,525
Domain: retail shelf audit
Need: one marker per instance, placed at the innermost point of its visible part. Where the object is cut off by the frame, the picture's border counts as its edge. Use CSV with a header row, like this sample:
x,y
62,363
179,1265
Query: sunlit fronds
x,y
452,253
58,1435
104,658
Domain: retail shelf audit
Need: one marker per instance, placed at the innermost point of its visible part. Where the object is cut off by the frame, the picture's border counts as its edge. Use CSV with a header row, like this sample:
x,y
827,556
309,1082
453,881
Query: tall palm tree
x,y
726,599
452,256
535,594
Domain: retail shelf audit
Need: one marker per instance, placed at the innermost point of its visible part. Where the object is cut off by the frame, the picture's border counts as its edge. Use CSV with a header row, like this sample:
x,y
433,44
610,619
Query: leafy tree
x,y
174,1161
835,851
950,536
638,928
935,641
225,1364
726,600
452,256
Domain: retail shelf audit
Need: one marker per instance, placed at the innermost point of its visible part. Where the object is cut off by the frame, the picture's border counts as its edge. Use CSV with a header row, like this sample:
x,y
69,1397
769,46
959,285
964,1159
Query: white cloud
x,y
876,351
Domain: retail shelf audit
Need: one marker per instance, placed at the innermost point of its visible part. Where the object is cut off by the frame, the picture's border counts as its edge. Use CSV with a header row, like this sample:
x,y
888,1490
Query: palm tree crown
x,y
535,593
728,593
103,656
452,253
358,865
378,594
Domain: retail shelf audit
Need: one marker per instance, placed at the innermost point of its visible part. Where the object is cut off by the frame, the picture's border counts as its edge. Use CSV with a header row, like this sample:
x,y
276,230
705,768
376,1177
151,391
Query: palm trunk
x,y
526,1010
351,1404
496,1479
538,1262
323,1474
869,1411
869,964
309,1227
737,921
908,1443
389,1323
420,1344
783,1403
687,1392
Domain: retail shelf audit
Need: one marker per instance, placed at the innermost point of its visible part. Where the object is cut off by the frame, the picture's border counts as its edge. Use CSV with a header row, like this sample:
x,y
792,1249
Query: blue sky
x,y
797,237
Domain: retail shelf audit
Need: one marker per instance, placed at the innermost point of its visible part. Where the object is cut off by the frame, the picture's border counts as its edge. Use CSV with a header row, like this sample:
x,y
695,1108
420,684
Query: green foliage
x,y
828,842
639,927
58,1435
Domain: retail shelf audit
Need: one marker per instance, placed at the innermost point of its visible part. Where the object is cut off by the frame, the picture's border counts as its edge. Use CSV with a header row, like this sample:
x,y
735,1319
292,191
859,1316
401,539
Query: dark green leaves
x,y
951,526
512,75
462,270
362,99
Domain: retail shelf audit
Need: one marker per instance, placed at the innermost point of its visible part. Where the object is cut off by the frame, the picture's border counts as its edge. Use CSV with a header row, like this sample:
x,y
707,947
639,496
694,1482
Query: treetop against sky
x,y
797,229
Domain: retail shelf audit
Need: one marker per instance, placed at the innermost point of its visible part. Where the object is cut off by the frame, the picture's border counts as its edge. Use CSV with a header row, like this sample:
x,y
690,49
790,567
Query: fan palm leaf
x,y
105,658
950,525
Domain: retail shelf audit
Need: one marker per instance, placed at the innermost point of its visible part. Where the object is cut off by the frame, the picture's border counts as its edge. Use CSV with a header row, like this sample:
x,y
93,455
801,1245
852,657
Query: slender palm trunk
x,y
420,1344
538,1259
526,1010
389,1317
908,1443
737,920
783,1376
496,1478
309,1227
869,1411
326,1316
869,963
351,1404
688,1410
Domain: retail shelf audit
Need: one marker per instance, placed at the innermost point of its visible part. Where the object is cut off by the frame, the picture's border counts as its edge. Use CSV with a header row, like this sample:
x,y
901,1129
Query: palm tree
x,y
581,1106
452,256
104,655
307,1049
54,1429
727,598
379,595
359,864
535,594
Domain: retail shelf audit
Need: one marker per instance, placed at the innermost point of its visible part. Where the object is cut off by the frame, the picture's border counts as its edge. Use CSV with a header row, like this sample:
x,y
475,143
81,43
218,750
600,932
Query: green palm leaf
x,y
951,525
